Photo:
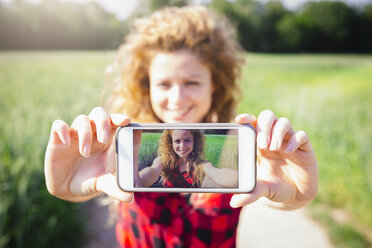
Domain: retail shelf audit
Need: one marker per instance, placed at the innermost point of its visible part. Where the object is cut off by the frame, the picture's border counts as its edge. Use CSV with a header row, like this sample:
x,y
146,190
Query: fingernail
x,y
262,141
131,200
273,146
104,136
118,118
234,202
289,148
233,205
86,151
67,140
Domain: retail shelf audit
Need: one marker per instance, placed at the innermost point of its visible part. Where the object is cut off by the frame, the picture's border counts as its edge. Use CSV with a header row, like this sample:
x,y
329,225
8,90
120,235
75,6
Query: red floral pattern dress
x,y
177,220
181,180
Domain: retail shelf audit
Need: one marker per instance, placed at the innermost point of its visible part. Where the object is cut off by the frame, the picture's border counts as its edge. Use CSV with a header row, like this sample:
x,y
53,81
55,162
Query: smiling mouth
x,y
180,114
183,152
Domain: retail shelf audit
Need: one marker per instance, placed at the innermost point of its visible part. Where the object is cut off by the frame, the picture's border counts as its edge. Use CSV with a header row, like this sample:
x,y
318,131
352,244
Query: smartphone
x,y
197,157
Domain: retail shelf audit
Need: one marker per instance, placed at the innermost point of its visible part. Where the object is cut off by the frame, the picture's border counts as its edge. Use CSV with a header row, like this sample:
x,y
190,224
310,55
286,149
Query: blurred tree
x,y
362,31
146,7
296,34
272,13
242,15
323,26
158,4
52,24
255,22
331,22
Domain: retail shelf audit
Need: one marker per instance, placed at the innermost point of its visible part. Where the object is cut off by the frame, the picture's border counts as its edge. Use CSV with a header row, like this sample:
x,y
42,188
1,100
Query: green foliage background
x,y
326,95
317,26
52,24
262,26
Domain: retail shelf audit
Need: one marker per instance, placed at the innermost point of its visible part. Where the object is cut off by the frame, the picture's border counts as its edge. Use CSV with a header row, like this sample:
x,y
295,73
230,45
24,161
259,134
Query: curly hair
x,y
193,28
195,159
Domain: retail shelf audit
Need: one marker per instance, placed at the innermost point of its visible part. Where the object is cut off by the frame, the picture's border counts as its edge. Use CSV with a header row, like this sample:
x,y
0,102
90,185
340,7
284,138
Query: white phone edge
x,y
246,164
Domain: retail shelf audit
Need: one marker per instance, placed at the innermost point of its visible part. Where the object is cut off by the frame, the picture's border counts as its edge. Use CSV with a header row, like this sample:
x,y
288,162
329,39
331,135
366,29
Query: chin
x,y
183,120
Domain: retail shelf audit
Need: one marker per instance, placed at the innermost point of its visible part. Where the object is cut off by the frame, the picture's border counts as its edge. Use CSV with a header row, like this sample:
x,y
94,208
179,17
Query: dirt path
x,y
260,227
101,232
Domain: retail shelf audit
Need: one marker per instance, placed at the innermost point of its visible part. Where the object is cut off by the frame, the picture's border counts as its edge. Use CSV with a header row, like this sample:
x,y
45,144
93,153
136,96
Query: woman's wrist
x,y
80,198
287,205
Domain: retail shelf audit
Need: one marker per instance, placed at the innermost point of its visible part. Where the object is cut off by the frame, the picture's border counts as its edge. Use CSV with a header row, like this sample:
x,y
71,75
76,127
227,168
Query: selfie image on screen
x,y
187,158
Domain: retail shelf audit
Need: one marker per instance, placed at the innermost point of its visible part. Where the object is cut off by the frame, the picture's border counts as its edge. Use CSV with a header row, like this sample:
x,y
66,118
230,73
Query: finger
x,y
298,140
137,136
281,128
246,119
265,123
239,200
61,132
119,119
102,123
82,126
107,184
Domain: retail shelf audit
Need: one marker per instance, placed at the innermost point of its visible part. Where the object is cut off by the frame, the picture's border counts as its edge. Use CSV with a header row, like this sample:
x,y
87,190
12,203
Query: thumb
x,y
246,119
119,119
107,184
240,200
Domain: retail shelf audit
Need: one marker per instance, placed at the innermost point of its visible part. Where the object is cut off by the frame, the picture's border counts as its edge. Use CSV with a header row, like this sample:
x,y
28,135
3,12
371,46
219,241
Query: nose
x,y
176,95
182,145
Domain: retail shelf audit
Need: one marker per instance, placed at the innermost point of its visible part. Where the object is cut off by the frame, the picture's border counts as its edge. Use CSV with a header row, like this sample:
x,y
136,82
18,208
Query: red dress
x,y
173,220
181,180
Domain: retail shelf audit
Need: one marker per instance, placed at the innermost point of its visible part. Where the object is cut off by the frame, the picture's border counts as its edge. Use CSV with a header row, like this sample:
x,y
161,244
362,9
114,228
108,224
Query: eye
x,y
163,85
192,83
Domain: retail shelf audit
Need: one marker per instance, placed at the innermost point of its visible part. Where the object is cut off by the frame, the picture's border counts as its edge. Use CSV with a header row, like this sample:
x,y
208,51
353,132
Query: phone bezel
x,y
246,160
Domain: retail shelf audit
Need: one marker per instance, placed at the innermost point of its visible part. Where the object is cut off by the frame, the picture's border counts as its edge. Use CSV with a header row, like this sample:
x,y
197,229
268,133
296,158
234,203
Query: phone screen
x,y
187,158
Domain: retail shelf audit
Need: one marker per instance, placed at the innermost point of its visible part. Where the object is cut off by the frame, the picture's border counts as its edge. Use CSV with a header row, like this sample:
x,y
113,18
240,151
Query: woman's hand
x,y
219,177
287,170
80,160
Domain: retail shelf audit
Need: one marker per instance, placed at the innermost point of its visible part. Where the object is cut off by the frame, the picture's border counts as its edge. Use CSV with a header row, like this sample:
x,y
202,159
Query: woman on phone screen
x,y
177,65
181,164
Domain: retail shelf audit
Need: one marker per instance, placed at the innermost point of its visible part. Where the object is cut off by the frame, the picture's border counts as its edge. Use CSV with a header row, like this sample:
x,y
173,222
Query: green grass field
x,y
328,96
35,89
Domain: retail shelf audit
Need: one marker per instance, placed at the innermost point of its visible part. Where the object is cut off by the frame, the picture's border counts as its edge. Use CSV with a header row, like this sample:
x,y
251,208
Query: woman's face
x,y
183,142
180,87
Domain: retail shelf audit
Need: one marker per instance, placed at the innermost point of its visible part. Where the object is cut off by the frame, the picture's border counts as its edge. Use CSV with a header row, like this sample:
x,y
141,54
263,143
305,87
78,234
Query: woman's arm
x,y
224,177
149,175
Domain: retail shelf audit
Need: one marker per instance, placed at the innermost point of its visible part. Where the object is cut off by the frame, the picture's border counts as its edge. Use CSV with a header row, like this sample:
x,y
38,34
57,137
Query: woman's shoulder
x,y
206,164
157,162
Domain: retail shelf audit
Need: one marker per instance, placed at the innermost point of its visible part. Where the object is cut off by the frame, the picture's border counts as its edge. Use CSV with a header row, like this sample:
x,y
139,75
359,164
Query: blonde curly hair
x,y
194,28
195,160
